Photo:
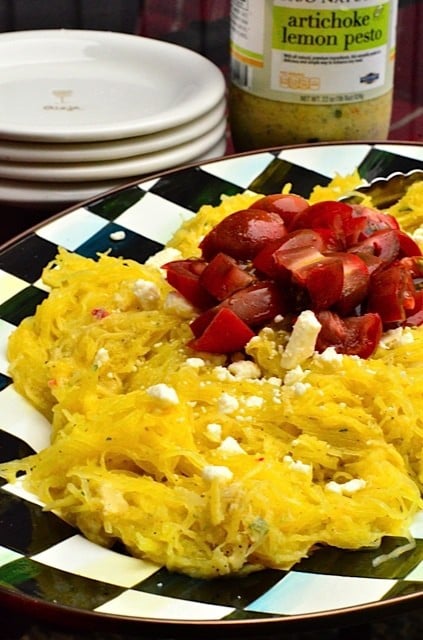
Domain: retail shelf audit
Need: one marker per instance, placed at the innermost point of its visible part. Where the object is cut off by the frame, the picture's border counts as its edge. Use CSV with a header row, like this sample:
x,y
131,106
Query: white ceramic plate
x,y
64,85
47,195
19,151
114,169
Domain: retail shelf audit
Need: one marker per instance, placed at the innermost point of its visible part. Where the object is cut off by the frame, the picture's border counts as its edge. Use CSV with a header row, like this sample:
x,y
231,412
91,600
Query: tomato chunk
x,y
391,294
355,335
243,234
257,304
184,276
375,220
383,244
337,216
415,318
286,205
225,333
355,283
223,275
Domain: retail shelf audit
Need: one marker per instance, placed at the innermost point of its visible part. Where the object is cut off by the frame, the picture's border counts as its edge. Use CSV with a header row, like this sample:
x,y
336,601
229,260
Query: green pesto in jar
x,y
310,70
259,123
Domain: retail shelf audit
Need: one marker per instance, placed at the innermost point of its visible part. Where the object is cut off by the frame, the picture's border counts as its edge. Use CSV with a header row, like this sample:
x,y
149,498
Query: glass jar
x,y
310,70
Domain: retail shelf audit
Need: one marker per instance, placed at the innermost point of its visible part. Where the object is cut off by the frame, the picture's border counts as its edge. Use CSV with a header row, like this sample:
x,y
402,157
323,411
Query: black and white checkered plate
x,y
48,568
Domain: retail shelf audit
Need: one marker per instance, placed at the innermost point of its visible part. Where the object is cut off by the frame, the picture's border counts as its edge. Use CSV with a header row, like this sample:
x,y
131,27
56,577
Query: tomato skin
x,y
223,276
184,276
391,294
355,335
243,234
408,247
339,217
286,205
257,304
224,333
375,220
355,283
383,244
324,282
415,318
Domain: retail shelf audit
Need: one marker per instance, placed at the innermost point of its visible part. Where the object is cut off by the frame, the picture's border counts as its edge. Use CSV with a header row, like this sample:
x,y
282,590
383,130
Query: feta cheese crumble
x,y
245,370
302,341
117,235
346,488
101,357
227,403
176,303
163,393
217,472
147,293
230,446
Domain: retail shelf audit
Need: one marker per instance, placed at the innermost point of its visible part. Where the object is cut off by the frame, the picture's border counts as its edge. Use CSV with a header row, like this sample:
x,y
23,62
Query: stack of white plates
x,y
84,111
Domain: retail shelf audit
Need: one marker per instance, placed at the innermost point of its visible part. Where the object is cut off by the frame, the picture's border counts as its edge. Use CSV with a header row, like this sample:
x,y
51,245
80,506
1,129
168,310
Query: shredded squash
x,y
206,467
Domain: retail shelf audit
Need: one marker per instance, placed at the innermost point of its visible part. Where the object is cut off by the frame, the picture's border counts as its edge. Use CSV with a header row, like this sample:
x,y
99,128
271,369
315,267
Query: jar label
x,y
313,51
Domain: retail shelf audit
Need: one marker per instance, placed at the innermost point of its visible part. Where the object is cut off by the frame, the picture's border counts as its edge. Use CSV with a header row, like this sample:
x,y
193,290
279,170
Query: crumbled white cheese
x,y
177,304
297,465
396,337
147,293
195,363
297,374
214,431
163,256
117,235
245,370
222,373
217,472
227,403
163,393
253,402
230,446
346,488
329,356
101,357
302,341
300,388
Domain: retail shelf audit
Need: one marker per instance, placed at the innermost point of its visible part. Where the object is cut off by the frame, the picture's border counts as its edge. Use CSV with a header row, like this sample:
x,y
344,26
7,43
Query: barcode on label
x,y
240,73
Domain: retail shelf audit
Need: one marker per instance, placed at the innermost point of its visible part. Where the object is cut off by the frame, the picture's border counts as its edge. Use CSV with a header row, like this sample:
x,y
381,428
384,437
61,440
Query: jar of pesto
x,y
310,70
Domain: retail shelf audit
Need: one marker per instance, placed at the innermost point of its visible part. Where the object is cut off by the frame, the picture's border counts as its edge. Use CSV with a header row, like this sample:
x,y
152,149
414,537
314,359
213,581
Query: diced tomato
x,y
351,336
383,244
415,318
223,275
391,294
184,276
375,220
270,259
259,303
408,247
324,282
339,217
297,260
355,282
286,205
225,333
265,263
243,234
413,264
